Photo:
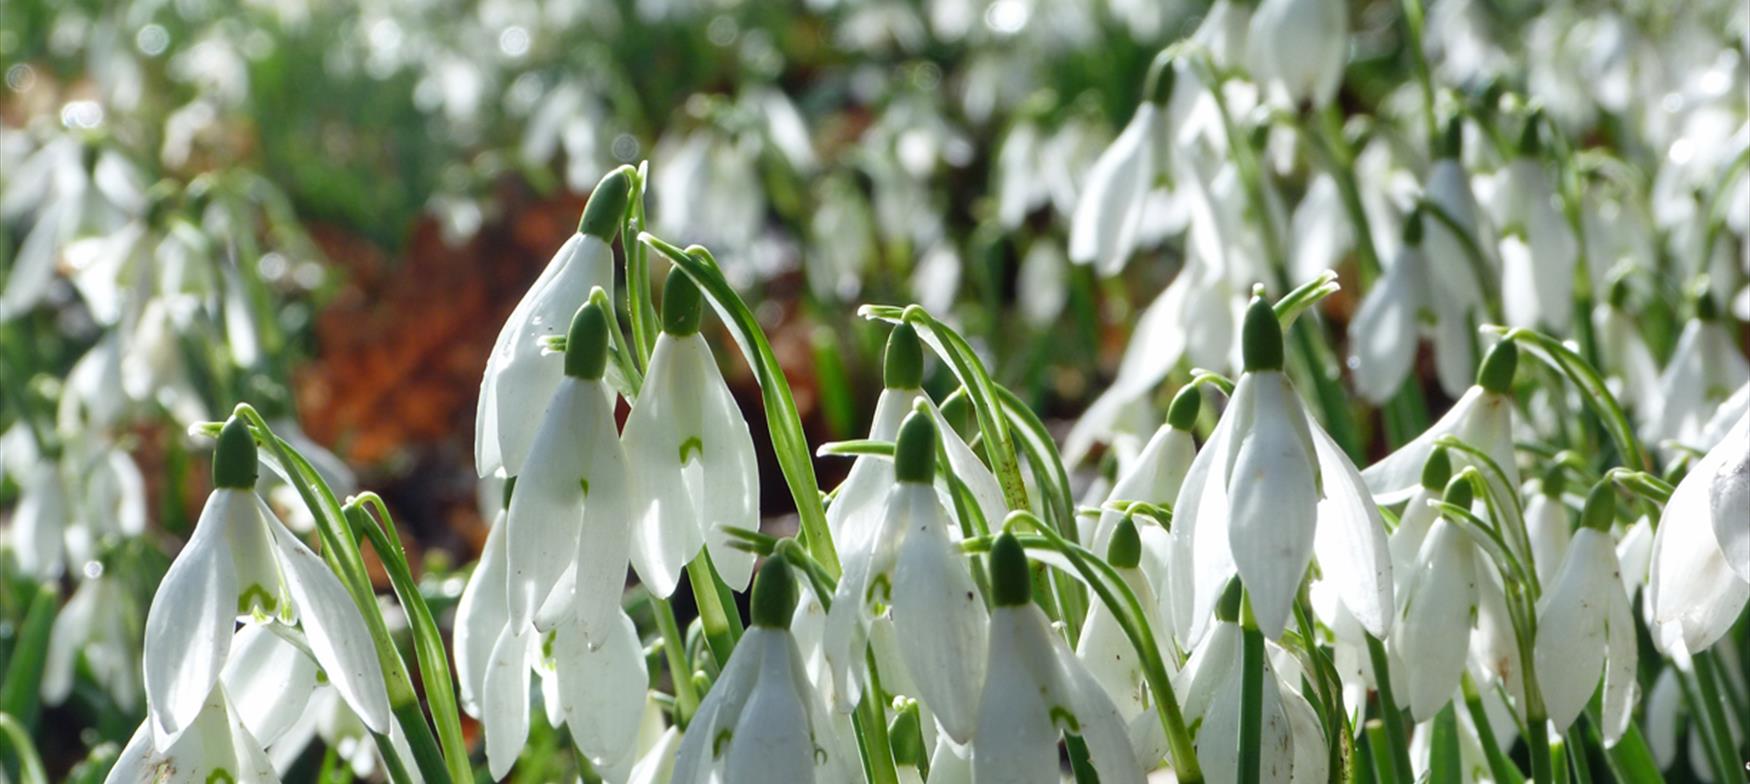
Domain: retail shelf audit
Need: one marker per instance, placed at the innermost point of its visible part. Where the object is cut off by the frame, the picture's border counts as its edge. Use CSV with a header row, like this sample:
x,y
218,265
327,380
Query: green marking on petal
x,y
722,740
584,482
547,641
256,602
1065,720
691,446
220,774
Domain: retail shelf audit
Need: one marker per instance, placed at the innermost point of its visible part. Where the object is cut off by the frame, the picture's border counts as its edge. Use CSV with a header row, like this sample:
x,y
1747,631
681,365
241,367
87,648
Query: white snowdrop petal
x,y
721,708
1103,728
1104,227
601,691
335,629
1433,628
188,626
1397,476
1571,641
1382,336
506,703
1691,585
604,543
1016,740
546,511
269,680
732,482
71,632
1350,541
772,739
938,611
1273,489
481,614
1729,498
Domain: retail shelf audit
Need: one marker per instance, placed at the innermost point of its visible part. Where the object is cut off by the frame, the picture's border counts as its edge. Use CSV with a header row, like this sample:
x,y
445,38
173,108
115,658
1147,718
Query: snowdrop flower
x,y
482,613
1546,525
1585,627
1269,489
1700,578
913,563
1482,417
215,746
570,516
1158,472
1110,209
1106,653
1626,356
37,533
1297,49
98,625
242,562
1034,688
1704,369
1408,300
690,455
761,721
1418,517
1432,633
1539,252
519,379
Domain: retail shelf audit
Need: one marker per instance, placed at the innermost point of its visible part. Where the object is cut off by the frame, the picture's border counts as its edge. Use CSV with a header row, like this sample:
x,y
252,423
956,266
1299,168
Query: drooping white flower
x,y
96,625
761,721
1034,688
1625,354
1267,491
1546,525
1409,300
1448,189
481,615
1297,49
912,563
1539,251
242,561
1700,578
519,379
214,746
36,534
1432,633
1105,651
690,455
1705,368
1158,472
1482,418
571,513
1585,628
1109,212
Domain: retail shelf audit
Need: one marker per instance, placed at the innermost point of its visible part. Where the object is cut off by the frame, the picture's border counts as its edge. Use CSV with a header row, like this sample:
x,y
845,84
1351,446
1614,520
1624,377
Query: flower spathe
x,y
519,379
690,455
242,561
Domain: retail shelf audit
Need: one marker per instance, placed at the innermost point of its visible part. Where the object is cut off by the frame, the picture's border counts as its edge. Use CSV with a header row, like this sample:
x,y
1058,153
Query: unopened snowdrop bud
x,y
691,454
566,528
1585,627
761,721
1261,338
520,377
1035,689
903,363
1297,49
242,561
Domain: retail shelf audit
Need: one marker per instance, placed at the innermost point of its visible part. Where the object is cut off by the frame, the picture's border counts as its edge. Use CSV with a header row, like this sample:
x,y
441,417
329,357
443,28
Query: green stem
x,y
1501,767
428,640
722,627
1379,747
19,692
1419,63
874,730
1577,746
1444,766
1390,715
639,305
1719,731
1251,696
1559,773
1630,759
30,764
674,649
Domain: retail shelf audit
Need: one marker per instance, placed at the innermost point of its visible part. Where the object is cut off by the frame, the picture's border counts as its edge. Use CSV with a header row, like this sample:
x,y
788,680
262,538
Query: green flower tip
x,y
1496,374
586,345
914,453
1530,144
774,594
1413,228
1449,143
907,735
1158,87
1227,608
1182,414
1261,338
1555,481
1706,309
1459,493
1438,470
904,363
607,205
234,461
509,490
1125,549
1618,293
1600,509
682,307
1010,583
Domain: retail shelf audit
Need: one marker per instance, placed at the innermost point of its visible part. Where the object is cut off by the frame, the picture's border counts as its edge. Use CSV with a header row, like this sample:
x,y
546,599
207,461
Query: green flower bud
x,y
234,461
1010,584
607,205
1600,510
904,363
774,594
1496,373
914,452
1125,549
1413,228
586,345
1438,470
682,307
1182,414
1555,481
1449,142
1530,144
1261,338
1706,309
1459,492
1227,608
1618,293
907,735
